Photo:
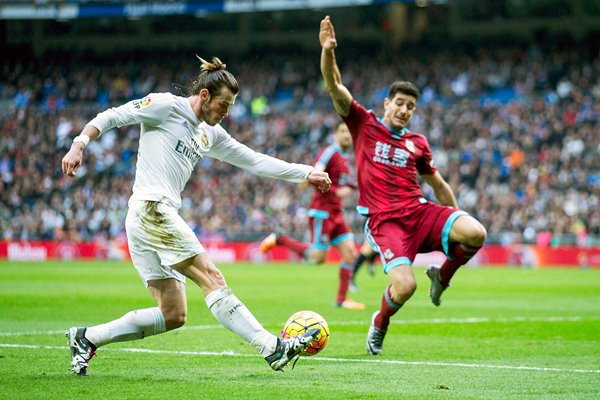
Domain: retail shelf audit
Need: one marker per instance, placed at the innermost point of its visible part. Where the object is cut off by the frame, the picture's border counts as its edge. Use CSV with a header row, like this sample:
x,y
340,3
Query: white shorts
x,y
158,237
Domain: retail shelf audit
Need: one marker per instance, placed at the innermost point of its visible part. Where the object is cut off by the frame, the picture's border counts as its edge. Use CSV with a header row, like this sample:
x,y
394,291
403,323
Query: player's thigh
x,y
148,265
468,230
366,248
318,256
403,280
343,238
158,238
202,271
347,251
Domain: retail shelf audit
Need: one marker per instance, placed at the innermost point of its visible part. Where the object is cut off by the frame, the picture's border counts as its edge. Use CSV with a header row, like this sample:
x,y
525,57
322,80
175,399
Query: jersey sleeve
x,y
152,109
226,148
322,161
329,159
425,163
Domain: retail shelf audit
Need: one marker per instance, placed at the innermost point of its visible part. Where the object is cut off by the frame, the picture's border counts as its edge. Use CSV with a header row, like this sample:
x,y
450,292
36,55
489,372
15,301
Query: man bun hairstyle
x,y
404,87
213,76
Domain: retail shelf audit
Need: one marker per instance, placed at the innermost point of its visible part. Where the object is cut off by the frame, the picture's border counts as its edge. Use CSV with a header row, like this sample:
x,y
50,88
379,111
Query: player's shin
x,y
388,308
345,274
461,254
134,325
236,317
361,258
295,245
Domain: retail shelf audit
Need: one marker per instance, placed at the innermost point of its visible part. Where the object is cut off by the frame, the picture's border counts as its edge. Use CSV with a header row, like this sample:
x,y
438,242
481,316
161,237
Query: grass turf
x,y
501,333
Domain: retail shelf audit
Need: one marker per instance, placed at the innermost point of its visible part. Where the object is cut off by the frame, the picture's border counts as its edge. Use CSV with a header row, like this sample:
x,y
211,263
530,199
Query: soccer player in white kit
x,y
176,132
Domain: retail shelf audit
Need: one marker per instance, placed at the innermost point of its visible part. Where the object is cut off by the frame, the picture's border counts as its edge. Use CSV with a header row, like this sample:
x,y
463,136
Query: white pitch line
x,y
468,320
476,320
331,359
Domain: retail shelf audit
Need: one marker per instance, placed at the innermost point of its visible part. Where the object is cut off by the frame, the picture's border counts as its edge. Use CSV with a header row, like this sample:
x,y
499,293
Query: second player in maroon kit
x,y
326,220
401,223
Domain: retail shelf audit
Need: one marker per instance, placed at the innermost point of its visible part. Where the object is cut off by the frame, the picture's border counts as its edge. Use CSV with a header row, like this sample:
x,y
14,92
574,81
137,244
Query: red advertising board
x,y
224,252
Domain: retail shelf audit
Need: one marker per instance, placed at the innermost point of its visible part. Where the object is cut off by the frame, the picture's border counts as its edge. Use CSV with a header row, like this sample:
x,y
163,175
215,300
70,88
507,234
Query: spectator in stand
x,y
547,127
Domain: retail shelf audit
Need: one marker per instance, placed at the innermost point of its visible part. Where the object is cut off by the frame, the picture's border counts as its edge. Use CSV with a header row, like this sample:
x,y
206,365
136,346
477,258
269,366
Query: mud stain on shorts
x,y
156,224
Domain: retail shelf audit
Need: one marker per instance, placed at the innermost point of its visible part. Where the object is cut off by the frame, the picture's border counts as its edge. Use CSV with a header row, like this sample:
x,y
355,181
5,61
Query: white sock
x,y
134,325
236,317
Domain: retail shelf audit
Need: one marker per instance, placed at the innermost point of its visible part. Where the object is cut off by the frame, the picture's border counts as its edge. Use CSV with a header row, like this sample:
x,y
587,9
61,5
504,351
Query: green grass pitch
x,y
501,333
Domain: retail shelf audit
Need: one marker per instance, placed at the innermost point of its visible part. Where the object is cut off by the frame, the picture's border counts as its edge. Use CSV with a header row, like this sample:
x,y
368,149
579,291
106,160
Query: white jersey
x,y
173,140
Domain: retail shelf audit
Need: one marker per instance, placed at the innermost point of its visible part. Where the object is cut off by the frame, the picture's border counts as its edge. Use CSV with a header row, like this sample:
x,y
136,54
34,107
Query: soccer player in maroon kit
x,y
401,223
326,220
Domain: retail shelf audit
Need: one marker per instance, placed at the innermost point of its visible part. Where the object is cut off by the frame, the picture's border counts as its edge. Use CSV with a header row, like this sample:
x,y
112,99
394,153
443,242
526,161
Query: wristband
x,y
85,139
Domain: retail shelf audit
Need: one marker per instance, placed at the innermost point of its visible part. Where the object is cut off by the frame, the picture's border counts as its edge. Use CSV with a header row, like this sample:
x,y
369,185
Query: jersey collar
x,y
395,134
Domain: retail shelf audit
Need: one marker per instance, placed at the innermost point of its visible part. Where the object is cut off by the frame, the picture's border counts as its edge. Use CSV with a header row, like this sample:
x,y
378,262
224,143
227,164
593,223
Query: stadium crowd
x,y
516,132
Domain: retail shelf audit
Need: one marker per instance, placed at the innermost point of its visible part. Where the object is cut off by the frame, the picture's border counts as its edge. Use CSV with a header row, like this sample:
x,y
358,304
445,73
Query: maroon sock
x,y
345,277
388,308
461,254
295,245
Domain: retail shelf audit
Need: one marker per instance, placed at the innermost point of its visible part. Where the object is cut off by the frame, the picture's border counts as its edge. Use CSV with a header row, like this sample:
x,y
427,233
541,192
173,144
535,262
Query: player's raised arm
x,y
340,95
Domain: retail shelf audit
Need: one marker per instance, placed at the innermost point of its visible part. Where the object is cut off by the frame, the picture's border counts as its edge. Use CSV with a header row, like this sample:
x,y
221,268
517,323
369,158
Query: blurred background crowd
x,y
515,130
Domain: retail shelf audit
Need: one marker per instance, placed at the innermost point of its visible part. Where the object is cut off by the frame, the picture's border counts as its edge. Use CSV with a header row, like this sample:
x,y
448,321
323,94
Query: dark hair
x,y
213,77
404,87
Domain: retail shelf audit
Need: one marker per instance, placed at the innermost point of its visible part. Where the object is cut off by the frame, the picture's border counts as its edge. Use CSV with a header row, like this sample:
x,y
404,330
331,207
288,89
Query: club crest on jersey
x,y
388,254
204,139
409,145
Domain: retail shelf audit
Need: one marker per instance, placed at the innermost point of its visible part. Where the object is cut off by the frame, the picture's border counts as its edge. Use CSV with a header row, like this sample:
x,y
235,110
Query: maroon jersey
x,y
336,165
387,163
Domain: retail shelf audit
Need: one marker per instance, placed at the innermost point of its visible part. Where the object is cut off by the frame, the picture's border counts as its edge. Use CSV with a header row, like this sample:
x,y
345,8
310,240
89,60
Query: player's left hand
x,y
320,179
72,160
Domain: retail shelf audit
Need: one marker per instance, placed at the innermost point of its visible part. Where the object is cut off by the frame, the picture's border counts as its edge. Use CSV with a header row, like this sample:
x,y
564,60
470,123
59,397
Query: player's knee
x,y
317,257
403,290
175,319
349,258
217,277
316,260
477,236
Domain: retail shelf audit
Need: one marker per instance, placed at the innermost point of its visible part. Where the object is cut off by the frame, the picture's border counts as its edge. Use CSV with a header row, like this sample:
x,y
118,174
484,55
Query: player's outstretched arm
x,y
72,160
340,95
442,190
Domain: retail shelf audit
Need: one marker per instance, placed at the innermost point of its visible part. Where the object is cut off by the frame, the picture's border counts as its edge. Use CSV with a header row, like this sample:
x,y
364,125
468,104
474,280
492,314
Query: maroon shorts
x,y
398,236
326,229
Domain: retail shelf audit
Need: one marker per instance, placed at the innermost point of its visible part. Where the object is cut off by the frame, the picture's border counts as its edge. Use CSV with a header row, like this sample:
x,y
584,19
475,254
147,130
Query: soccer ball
x,y
302,321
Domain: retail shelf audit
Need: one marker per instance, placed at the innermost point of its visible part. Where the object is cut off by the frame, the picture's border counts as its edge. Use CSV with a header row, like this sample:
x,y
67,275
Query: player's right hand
x,y
327,34
320,179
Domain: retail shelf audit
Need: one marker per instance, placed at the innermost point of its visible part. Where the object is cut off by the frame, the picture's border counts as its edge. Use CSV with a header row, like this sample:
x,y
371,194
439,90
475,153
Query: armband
x,y
85,139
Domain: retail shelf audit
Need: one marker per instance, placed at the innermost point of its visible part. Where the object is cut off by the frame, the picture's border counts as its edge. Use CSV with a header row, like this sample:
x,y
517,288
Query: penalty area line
x,y
330,359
